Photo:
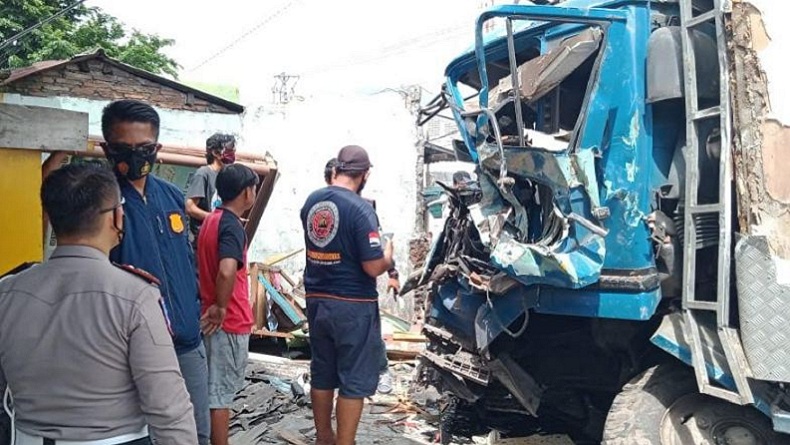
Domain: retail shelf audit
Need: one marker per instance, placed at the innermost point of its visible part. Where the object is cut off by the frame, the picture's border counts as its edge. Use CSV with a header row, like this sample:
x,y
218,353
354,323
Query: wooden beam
x,y
44,129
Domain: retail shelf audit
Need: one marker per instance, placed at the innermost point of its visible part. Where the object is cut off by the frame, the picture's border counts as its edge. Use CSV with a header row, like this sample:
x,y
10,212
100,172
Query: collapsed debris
x,y
274,407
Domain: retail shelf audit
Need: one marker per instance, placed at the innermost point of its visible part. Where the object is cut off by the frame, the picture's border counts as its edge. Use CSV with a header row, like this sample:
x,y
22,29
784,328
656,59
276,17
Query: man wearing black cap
x,y
393,285
344,255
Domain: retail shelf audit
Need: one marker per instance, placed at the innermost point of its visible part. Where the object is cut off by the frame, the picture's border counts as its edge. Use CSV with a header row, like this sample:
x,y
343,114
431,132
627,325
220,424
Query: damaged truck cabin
x,y
595,258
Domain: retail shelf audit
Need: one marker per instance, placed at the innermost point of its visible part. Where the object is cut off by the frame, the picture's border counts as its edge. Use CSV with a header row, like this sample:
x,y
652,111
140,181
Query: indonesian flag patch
x,y
375,240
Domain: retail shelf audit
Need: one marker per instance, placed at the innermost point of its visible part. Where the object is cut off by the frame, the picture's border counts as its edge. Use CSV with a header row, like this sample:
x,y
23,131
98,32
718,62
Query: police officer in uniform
x,y
85,348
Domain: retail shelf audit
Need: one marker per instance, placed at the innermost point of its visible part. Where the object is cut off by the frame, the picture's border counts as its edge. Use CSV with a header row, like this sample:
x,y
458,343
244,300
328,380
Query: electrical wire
x,y
28,30
398,48
246,34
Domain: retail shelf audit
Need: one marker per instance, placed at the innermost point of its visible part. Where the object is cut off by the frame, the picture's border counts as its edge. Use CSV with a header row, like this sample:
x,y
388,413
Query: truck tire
x,y
663,407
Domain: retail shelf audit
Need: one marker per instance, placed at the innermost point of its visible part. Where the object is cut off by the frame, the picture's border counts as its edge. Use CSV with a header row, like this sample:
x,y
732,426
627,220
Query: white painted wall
x,y
773,56
303,136
183,128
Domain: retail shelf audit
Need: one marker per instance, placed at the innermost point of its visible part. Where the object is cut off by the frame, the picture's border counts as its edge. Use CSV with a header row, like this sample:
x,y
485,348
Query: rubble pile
x,y
274,408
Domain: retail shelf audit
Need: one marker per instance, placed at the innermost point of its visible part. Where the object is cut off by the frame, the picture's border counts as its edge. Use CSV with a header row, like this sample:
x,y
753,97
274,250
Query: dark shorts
x,y
345,342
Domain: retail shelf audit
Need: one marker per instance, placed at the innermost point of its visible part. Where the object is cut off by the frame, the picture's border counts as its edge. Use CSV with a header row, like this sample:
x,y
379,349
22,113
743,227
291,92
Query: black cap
x,y
233,179
353,158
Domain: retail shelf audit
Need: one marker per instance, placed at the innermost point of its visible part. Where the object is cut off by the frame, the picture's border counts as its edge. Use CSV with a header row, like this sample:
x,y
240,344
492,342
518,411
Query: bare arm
x,y
377,267
212,320
226,278
194,211
163,395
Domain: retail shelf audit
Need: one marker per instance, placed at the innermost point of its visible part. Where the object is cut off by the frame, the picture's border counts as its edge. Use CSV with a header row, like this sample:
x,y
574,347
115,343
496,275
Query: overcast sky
x,y
339,46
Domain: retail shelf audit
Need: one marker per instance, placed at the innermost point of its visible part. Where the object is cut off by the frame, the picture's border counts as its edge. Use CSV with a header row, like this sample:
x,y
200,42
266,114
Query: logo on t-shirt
x,y
322,223
215,202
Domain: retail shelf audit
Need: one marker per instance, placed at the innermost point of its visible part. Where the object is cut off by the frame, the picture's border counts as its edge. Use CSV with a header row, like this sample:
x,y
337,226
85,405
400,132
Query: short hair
x,y
233,179
328,169
74,196
353,174
128,110
218,141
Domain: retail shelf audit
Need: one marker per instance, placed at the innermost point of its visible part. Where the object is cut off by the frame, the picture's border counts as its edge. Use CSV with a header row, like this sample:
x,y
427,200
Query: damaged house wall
x,y
759,41
759,44
303,136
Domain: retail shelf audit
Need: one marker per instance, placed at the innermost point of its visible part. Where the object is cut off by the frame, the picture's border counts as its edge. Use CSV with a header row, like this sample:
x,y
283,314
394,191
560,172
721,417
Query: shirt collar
x,y
79,251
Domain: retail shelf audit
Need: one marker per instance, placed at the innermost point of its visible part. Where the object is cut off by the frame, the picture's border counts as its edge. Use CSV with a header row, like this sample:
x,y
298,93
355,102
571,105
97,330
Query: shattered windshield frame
x,y
542,25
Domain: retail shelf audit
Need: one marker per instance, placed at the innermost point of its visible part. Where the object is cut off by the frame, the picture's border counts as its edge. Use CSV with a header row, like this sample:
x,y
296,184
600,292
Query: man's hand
x,y
212,320
393,285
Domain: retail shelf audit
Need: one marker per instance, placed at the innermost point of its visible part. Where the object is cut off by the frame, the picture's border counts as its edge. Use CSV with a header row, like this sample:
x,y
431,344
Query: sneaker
x,y
385,383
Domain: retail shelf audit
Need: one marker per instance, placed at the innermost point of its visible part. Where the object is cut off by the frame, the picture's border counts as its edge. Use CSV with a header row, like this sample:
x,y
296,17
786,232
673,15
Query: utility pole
x,y
284,88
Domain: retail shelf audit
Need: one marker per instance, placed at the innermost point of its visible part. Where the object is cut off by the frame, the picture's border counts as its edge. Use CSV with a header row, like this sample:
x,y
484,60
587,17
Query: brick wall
x,y
100,80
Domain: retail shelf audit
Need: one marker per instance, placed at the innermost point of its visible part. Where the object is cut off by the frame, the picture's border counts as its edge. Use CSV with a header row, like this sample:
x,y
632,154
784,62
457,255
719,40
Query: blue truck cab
x,y
559,288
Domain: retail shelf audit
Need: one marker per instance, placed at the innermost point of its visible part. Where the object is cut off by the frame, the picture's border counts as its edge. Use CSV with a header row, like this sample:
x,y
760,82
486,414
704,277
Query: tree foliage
x,y
79,31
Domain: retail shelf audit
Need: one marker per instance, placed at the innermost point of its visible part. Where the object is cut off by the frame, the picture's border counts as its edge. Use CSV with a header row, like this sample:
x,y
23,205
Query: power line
x,y
252,30
395,49
13,39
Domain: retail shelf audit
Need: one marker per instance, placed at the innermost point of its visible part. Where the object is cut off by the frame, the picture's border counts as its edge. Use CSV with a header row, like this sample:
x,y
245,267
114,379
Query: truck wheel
x,y
662,407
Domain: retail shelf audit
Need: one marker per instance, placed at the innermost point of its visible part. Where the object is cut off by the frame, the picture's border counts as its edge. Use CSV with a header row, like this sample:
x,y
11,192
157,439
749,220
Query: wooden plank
x,y
258,300
272,334
292,438
45,129
274,259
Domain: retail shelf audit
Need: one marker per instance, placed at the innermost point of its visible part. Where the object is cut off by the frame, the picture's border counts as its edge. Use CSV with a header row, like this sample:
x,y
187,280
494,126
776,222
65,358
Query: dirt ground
x,y
273,409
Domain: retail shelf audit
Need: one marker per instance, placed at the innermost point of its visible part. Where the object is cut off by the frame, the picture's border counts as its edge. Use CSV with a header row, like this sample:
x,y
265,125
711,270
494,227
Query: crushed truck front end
x,y
558,265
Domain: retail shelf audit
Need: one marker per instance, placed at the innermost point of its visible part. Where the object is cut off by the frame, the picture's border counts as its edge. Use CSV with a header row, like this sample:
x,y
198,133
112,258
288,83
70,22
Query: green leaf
x,y
82,29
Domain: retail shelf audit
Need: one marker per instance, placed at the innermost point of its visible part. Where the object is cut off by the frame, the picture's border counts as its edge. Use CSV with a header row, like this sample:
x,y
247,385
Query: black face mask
x,y
130,162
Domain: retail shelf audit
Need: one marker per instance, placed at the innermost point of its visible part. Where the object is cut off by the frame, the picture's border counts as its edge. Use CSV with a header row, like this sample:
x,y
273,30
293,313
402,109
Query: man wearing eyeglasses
x,y
156,238
202,197
99,367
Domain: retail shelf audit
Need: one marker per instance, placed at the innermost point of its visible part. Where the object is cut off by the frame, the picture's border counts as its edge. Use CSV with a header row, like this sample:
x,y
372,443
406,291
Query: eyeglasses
x,y
117,147
121,203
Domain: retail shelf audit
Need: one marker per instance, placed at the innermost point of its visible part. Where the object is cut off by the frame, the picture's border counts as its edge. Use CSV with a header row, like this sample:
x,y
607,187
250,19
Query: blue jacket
x,y
155,240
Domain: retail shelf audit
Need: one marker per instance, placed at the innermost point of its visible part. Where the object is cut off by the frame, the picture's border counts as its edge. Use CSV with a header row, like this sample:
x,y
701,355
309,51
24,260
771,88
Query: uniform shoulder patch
x,y
21,268
139,272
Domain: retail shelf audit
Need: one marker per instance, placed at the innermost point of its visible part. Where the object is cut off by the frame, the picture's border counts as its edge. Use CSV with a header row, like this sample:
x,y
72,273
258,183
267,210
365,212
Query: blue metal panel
x,y
615,129
281,301
456,307
610,165
471,313
720,376
495,41
598,304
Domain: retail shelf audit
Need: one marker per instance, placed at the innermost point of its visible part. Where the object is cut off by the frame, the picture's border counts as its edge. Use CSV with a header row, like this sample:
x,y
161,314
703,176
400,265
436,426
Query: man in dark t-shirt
x,y
202,197
344,255
224,292
393,285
